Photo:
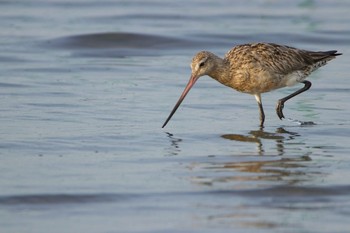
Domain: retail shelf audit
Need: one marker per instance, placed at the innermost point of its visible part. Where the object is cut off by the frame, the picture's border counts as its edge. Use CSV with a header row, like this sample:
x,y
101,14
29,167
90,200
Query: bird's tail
x,y
324,55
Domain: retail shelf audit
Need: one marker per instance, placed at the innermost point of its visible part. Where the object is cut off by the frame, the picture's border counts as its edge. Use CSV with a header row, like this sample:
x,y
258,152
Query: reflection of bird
x,y
259,136
258,68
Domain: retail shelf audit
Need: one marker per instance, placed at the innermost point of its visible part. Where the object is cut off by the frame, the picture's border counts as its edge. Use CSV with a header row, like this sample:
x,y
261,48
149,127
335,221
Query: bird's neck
x,y
220,71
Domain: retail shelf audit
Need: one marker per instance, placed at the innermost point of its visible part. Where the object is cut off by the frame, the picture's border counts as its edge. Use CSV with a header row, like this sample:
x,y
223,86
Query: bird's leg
x,y
280,103
262,115
261,110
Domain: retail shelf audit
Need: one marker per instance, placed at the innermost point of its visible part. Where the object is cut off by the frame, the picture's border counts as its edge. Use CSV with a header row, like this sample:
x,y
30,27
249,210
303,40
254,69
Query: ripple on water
x,y
113,44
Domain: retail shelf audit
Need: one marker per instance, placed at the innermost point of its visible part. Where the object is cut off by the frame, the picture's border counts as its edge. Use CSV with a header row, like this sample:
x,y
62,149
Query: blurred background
x,y
85,87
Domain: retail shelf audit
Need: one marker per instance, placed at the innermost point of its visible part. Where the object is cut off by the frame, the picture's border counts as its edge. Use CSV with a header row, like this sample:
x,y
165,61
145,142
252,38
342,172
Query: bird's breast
x,y
255,82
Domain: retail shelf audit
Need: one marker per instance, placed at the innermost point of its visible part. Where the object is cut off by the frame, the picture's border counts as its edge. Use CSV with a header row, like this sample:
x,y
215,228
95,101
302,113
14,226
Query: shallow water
x,y
85,87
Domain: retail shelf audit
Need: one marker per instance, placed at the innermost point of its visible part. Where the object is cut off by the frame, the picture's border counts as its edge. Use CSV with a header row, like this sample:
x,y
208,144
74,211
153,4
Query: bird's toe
x,y
279,108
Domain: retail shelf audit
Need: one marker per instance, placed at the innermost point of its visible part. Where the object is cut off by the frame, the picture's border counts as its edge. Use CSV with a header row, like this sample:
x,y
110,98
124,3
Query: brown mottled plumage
x,y
258,68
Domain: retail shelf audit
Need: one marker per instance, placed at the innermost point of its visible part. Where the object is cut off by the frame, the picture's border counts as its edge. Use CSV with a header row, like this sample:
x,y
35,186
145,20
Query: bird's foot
x,y
279,108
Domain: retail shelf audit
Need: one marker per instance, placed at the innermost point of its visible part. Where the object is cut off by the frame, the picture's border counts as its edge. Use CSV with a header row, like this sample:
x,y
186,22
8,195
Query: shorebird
x,y
258,68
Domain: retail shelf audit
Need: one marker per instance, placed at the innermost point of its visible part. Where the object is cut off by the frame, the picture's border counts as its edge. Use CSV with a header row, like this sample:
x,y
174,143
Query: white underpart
x,y
294,78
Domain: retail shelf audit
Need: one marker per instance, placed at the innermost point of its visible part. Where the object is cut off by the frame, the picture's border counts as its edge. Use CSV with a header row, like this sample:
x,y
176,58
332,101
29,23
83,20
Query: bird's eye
x,y
201,64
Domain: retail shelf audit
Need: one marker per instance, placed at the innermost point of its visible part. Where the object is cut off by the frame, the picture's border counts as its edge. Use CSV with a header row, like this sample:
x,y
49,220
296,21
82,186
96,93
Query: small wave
x,y
284,191
114,40
302,123
112,44
44,199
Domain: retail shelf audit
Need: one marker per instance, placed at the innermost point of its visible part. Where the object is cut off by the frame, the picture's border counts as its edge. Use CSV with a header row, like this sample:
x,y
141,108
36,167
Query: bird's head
x,y
202,64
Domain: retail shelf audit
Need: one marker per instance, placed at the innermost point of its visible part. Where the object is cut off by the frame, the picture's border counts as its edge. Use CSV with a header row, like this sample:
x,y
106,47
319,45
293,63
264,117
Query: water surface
x,y
85,87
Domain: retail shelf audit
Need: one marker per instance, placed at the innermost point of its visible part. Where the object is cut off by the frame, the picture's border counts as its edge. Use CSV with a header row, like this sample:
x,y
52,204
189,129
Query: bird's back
x,y
262,67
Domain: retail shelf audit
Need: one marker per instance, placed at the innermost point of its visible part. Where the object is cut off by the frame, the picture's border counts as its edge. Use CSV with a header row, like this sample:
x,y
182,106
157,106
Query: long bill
x,y
188,87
